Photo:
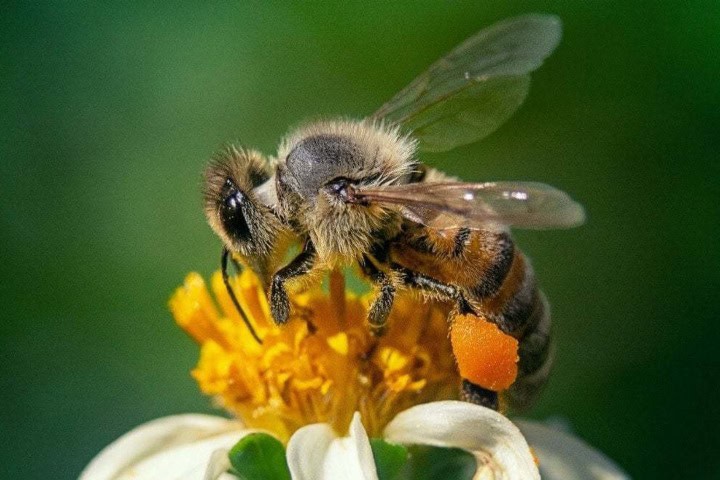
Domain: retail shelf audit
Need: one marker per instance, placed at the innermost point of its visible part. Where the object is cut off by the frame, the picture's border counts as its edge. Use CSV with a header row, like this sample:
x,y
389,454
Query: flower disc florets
x,y
324,364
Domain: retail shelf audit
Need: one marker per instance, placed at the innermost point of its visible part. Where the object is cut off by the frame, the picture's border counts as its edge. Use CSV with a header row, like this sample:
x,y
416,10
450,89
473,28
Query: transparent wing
x,y
477,205
474,89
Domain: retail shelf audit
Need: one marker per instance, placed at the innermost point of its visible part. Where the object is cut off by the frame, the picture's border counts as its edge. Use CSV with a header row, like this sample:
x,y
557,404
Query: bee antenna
x,y
226,280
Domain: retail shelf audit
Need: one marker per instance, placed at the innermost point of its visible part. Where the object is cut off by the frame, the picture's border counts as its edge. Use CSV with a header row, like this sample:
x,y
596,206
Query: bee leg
x,y
469,392
381,306
300,265
445,291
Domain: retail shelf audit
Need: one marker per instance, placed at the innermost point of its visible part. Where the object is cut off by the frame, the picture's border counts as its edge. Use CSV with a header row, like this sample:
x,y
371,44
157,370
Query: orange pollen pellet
x,y
485,355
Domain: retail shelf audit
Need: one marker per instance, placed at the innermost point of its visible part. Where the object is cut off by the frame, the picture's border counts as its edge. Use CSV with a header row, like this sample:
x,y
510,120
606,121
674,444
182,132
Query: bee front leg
x,y
381,306
300,265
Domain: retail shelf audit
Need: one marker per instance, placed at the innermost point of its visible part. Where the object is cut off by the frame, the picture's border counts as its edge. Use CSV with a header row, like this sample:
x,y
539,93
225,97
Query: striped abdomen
x,y
520,309
500,285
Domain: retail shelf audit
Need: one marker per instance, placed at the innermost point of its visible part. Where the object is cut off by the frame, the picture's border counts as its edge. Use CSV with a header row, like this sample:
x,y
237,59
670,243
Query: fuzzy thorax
x,y
360,153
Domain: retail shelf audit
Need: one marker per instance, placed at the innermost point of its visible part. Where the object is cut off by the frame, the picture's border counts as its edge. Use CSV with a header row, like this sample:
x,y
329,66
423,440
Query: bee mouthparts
x,y
353,196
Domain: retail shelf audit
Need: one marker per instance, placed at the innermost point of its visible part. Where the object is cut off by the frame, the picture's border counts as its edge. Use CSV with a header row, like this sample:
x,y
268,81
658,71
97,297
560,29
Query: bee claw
x,y
378,330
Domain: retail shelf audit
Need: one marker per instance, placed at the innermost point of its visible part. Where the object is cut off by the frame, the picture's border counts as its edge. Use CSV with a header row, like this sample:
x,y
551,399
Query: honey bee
x,y
354,193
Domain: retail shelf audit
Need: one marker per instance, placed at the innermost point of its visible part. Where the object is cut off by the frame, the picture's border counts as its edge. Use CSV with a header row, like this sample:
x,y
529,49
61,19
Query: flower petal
x,y
493,438
351,457
307,449
314,452
563,456
155,437
218,465
185,462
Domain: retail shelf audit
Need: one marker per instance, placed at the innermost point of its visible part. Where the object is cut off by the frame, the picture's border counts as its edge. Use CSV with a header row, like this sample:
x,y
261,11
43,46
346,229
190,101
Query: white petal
x,y
306,451
218,464
315,453
564,456
153,437
351,457
482,431
186,462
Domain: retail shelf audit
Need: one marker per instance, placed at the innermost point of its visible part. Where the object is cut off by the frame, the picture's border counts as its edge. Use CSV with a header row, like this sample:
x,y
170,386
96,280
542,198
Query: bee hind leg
x,y
469,392
445,291
300,265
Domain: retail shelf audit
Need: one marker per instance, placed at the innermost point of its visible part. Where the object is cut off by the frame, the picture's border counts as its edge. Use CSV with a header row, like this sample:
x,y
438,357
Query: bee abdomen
x,y
520,309
500,252
536,356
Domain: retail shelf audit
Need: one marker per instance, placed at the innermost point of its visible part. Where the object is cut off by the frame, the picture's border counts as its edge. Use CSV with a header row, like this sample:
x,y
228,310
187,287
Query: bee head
x,y
244,223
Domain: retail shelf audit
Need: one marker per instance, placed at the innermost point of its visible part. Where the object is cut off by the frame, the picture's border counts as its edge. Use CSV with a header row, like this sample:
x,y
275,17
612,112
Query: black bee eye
x,y
231,212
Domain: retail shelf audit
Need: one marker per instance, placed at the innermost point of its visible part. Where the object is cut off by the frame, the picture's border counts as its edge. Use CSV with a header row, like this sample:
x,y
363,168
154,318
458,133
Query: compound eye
x,y
231,212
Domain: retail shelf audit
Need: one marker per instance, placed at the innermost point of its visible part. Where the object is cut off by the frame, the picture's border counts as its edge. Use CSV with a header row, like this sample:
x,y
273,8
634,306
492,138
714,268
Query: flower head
x,y
324,364
324,385
196,447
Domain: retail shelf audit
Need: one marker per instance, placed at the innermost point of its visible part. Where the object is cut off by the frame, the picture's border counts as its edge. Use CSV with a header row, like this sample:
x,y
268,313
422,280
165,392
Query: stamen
x,y
324,364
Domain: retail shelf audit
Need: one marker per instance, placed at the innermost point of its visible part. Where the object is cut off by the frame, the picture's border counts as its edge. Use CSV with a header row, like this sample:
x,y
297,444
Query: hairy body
x,y
354,192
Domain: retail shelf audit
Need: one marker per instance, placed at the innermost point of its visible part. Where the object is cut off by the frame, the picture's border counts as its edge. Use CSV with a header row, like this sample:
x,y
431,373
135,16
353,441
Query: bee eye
x,y
232,202
231,212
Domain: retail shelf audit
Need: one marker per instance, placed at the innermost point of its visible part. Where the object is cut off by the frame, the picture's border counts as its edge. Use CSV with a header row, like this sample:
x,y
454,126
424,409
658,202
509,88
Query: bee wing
x,y
474,89
478,205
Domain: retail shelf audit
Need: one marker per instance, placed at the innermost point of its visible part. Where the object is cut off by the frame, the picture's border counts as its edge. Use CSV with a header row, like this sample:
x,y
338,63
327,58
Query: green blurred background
x,y
110,111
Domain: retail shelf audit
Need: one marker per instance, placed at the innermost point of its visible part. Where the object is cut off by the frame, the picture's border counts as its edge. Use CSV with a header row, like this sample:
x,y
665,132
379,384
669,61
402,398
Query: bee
x,y
354,193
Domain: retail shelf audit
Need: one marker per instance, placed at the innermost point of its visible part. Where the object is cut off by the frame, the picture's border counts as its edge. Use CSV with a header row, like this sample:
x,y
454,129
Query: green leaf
x,y
431,463
259,456
389,458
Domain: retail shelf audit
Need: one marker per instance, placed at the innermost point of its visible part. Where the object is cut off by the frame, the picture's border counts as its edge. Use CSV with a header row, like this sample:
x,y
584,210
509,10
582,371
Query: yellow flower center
x,y
324,364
